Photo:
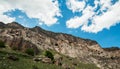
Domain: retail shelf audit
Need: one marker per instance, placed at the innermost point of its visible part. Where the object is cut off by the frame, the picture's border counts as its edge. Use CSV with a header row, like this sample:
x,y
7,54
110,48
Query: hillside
x,y
83,50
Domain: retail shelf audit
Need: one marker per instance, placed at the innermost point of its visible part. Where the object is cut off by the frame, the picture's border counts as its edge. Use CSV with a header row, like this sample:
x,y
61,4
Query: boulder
x,y
37,59
46,60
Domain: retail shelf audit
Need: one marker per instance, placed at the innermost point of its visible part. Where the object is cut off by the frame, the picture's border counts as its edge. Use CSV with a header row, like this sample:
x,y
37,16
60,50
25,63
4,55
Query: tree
x,y
49,55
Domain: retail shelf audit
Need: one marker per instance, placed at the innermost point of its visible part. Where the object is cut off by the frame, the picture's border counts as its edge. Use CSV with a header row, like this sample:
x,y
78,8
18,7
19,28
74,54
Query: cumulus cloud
x,y
75,5
109,16
6,19
79,21
44,10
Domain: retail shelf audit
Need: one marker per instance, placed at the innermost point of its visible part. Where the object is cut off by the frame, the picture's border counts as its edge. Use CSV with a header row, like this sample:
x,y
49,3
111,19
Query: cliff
x,y
84,50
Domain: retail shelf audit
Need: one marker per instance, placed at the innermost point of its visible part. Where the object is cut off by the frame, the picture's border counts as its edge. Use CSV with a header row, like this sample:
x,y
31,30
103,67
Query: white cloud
x,y
79,21
44,10
99,22
108,19
105,4
6,19
75,5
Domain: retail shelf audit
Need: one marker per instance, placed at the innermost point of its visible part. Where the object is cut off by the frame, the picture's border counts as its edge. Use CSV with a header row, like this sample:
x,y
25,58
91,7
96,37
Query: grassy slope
x,y
26,62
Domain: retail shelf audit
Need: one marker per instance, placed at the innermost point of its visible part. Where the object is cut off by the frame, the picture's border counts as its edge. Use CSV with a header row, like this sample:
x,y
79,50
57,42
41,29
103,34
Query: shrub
x,y
30,51
49,55
2,44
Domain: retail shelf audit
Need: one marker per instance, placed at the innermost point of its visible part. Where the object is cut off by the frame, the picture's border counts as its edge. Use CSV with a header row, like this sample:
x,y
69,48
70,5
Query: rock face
x,y
85,50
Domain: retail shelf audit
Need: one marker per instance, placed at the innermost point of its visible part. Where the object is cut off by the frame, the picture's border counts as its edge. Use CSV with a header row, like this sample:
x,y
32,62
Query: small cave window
x,y
112,57
56,44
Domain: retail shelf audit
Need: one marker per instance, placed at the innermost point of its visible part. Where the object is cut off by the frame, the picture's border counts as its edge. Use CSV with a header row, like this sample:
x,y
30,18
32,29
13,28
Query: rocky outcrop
x,y
84,50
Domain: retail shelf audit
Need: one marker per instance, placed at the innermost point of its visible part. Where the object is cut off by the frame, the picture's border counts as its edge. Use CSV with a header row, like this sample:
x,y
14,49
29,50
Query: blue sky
x,y
91,19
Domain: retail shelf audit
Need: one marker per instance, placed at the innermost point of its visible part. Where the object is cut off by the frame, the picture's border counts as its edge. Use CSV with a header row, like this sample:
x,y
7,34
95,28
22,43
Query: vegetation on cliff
x,y
12,59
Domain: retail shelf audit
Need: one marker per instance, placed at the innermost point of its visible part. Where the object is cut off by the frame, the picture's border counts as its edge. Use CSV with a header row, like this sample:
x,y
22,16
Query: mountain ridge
x,y
85,50
39,29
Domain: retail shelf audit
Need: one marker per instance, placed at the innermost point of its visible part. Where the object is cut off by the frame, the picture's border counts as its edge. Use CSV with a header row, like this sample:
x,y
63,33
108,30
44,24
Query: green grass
x,y
26,62
80,65
86,66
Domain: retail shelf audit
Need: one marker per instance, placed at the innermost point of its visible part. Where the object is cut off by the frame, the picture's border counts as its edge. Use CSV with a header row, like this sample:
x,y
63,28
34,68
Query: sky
x,y
97,20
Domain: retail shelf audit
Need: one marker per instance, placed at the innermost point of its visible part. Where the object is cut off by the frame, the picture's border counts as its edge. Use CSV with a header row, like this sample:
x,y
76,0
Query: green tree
x,y
49,55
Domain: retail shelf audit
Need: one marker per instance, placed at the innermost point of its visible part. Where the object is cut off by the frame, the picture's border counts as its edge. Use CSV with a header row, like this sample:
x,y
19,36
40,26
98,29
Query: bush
x,y
49,55
2,44
30,51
